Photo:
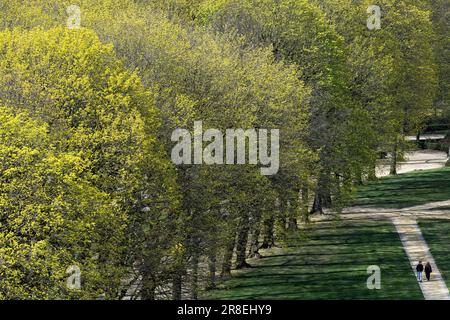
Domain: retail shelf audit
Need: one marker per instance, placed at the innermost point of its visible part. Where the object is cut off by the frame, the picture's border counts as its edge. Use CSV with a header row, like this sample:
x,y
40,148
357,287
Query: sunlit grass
x,y
406,190
437,236
331,264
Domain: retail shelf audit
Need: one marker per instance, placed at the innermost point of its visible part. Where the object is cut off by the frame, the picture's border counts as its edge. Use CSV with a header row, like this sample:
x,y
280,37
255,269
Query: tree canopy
x,y
91,94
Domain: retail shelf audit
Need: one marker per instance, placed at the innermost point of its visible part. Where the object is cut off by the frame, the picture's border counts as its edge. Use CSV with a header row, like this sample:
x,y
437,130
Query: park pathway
x,y
417,250
415,246
415,160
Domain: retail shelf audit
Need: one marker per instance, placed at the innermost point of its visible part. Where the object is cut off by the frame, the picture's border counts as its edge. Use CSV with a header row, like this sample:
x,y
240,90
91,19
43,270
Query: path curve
x,y
414,244
417,250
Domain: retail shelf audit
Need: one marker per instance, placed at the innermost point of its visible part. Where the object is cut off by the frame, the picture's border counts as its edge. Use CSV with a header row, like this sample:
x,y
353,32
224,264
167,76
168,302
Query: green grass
x,y
330,264
406,190
437,236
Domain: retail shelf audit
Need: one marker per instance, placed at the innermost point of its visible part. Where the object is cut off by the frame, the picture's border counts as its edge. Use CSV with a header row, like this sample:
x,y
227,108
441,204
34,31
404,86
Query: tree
x,y
394,80
299,34
441,26
97,142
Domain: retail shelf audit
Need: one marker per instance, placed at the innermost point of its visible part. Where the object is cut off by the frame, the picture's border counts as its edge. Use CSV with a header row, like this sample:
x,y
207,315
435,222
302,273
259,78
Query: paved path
x,y
415,246
425,136
417,250
405,220
415,160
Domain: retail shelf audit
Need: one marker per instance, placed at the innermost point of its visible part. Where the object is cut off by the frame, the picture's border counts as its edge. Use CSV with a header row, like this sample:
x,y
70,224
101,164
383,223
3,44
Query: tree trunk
x,y
317,204
292,225
393,170
322,197
211,271
228,255
305,203
359,179
292,213
176,285
372,173
194,276
241,245
148,287
254,242
268,241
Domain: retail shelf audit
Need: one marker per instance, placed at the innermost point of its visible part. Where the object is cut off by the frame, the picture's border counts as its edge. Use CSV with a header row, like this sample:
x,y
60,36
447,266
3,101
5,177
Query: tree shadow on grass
x,y
331,263
406,190
437,236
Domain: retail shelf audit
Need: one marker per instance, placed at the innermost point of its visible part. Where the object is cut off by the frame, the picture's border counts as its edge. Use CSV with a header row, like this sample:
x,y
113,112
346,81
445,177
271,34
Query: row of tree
x,y
86,116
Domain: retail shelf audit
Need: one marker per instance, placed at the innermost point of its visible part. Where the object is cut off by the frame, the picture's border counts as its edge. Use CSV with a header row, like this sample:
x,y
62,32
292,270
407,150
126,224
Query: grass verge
x,y
331,263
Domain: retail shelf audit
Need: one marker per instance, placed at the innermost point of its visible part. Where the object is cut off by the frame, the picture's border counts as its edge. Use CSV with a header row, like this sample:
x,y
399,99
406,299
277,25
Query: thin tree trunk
x,y
194,276
291,213
393,170
305,203
283,213
419,143
211,271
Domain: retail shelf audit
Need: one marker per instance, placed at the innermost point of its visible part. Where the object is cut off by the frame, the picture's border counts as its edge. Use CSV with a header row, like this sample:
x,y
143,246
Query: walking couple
x,y
420,270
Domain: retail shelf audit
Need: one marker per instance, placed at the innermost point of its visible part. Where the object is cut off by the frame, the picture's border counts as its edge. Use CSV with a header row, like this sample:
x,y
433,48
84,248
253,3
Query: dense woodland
x,y
86,116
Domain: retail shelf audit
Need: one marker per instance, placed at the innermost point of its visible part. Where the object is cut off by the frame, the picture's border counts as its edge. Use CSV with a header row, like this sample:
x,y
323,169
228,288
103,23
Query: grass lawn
x,y
329,263
437,236
406,190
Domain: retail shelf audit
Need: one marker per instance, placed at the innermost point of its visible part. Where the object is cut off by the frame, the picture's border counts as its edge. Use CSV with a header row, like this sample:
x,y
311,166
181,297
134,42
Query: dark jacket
x,y
419,267
428,269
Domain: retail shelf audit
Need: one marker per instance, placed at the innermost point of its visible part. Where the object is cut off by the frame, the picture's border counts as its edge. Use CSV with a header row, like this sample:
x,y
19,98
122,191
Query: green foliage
x,y
89,168
298,33
52,217
85,132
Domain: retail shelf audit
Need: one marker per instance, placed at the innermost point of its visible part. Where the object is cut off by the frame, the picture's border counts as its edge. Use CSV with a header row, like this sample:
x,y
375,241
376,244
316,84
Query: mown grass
x,y
437,236
331,263
406,190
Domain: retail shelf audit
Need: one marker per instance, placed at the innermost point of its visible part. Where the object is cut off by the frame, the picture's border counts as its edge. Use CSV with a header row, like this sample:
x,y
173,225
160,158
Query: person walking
x,y
428,270
419,270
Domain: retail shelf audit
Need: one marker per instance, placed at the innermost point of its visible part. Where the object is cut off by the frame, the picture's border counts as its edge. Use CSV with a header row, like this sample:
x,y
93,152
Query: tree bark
x,y
372,173
291,209
317,204
292,225
254,242
176,285
322,197
148,287
211,271
228,255
268,241
305,203
194,276
241,245
393,170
